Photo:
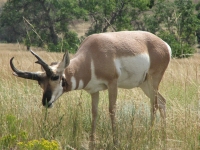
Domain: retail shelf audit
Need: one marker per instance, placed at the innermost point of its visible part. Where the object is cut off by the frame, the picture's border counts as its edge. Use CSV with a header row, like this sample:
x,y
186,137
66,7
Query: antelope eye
x,y
54,78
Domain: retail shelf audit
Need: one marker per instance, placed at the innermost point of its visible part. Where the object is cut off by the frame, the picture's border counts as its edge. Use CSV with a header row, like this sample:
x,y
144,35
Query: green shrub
x,y
10,140
38,145
70,42
179,48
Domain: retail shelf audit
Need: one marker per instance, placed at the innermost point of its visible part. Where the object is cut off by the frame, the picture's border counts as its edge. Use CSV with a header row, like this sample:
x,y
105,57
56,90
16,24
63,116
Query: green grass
x,y
24,121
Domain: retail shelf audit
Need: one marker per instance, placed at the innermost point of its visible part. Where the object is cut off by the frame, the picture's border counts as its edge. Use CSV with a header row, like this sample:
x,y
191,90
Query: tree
x,y
33,20
176,23
198,16
113,15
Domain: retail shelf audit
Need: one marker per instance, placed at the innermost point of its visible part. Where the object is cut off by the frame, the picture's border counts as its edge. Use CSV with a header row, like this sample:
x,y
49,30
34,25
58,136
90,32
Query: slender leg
x,y
161,106
153,105
157,100
112,91
148,89
151,92
95,100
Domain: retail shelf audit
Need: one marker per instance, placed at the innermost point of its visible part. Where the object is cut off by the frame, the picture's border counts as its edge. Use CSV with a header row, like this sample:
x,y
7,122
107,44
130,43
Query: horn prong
x,y
46,67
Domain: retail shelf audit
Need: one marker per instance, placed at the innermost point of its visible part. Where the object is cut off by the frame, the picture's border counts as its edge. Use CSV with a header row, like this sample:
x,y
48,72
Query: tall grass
x,y
23,119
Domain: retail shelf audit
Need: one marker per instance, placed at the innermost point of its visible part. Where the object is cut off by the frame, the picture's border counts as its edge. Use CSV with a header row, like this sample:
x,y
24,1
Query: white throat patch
x,y
56,93
74,81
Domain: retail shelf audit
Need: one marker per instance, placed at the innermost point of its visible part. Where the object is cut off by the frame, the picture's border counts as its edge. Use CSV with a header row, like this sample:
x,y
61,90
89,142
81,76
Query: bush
x,y
179,49
38,145
70,42
10,140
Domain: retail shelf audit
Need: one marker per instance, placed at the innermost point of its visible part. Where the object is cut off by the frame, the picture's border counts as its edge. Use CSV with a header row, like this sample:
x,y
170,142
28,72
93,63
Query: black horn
x,y
26,75
46,67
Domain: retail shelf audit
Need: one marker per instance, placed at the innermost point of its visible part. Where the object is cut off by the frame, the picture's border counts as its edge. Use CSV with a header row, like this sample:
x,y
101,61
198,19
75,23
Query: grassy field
x,y
25,124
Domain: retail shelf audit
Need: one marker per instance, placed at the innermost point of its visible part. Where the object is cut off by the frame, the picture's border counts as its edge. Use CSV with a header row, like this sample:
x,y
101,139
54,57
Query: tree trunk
x,y
52,31
53,34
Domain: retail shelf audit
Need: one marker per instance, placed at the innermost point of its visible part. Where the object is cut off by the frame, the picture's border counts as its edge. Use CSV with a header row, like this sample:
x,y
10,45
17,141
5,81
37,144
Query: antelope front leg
x,y
95,101
112,92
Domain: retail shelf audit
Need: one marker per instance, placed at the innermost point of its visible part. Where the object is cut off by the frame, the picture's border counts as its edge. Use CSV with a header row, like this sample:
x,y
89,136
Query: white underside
x,y
131,73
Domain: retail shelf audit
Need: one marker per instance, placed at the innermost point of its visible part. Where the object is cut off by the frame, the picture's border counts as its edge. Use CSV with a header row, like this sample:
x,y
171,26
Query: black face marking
x,y
53,63
46,98
64,82
54,77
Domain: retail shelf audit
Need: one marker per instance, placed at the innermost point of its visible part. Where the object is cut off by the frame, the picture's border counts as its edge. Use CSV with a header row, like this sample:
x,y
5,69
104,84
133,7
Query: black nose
x,y
46,98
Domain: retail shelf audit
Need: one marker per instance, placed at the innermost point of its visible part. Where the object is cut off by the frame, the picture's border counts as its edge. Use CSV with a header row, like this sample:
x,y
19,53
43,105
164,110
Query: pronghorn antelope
x,y
124,59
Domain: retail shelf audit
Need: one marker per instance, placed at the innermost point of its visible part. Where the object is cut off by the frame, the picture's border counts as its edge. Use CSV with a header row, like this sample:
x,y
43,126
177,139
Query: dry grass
x,y
69,121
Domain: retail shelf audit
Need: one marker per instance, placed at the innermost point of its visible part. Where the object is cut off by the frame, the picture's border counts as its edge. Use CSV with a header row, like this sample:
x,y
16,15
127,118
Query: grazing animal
x,y
124,59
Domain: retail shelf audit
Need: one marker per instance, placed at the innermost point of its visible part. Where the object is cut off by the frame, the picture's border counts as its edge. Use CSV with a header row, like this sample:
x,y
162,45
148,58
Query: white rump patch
x,y
169,49
73,81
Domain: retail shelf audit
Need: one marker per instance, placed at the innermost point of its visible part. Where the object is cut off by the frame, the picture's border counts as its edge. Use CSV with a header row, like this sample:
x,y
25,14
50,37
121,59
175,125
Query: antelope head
x,y
51,79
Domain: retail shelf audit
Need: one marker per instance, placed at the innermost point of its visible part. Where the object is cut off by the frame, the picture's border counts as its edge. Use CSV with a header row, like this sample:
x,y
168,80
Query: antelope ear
x,y
64,63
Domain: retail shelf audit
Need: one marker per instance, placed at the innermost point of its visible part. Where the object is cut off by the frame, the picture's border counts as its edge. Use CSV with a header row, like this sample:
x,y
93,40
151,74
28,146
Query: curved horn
x,y
46,67
26,75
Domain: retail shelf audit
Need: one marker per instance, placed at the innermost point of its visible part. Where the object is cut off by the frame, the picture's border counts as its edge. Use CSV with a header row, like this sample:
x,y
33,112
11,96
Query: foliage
x,y
10,140
45,23
40,22
70,43
113,15
179,50
19,138
198,16
14,134
38,144
176,23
